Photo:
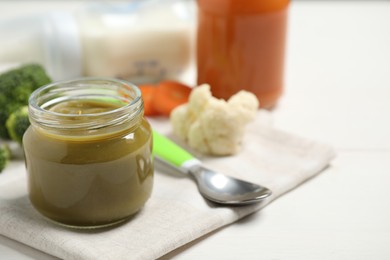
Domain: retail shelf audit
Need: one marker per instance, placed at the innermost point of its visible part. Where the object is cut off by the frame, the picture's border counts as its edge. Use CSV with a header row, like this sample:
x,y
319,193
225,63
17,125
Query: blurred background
x,y
134,40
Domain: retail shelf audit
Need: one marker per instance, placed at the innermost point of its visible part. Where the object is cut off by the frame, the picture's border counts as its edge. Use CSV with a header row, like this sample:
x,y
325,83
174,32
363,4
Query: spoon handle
x,y
171,152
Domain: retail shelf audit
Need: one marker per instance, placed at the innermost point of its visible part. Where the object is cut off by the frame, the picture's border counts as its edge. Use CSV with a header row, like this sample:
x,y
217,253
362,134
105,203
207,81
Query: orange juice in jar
x,y
241,45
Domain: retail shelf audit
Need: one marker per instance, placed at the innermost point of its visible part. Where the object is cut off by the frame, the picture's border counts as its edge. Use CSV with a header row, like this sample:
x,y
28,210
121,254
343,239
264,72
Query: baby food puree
x,y
88,156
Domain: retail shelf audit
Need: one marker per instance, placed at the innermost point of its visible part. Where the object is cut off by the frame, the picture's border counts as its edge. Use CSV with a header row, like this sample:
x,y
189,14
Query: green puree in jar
x,y
89,178
84,107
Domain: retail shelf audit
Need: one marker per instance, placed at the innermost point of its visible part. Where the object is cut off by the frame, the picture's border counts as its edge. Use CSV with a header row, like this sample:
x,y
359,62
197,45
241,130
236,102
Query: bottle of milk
x,y
140,41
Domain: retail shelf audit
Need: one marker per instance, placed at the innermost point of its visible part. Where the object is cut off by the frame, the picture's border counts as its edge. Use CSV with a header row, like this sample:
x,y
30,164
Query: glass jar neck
x,y
119,102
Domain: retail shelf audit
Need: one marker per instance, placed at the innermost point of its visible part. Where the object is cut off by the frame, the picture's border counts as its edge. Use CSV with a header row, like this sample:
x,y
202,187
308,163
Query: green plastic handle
x,y
169,151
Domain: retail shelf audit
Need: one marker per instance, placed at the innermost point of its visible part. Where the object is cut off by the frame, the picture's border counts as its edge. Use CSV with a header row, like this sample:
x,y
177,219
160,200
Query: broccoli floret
x,y
5,156
16,87
35,74
3,116
17,123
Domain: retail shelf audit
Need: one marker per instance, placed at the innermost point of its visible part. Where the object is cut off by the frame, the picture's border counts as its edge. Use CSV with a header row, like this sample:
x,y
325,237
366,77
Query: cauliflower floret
x,y
199,99
216,131
181,120
211,125
183,116
247,103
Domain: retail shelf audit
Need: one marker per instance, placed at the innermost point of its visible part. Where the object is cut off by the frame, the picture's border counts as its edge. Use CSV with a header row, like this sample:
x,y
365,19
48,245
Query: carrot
x,y
170,94
148,93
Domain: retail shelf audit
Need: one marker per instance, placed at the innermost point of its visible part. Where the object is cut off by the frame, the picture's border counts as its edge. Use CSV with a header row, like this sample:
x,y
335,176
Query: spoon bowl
x,y
220,188
224,189
213,186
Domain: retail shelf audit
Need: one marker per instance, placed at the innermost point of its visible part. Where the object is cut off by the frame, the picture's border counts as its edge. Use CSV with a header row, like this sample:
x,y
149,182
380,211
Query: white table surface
x,y
338,92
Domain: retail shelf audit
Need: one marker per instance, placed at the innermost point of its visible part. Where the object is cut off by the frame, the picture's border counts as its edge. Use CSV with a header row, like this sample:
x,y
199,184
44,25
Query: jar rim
x,y
33,99
115,91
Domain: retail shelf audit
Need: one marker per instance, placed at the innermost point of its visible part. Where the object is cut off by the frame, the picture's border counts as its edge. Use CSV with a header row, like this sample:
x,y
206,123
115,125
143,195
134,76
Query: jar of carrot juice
x,y
241,45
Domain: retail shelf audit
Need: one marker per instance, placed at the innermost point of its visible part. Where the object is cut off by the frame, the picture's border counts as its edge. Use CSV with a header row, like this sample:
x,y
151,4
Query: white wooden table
x,y
337,91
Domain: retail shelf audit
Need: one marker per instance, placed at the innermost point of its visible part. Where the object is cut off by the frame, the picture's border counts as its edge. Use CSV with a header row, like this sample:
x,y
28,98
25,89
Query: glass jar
x,y
88,152
241,45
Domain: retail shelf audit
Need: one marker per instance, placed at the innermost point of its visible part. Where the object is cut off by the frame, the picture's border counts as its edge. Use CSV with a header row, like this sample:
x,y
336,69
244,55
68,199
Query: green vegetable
x,y
17,123
5,156
16,87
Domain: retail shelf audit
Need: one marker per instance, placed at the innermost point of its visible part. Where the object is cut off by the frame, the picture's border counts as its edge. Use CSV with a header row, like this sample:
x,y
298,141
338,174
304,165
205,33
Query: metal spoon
x,y
213,186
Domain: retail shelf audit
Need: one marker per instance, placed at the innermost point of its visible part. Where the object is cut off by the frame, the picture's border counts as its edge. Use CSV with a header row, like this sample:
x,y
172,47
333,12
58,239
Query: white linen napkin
x,y
176,213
